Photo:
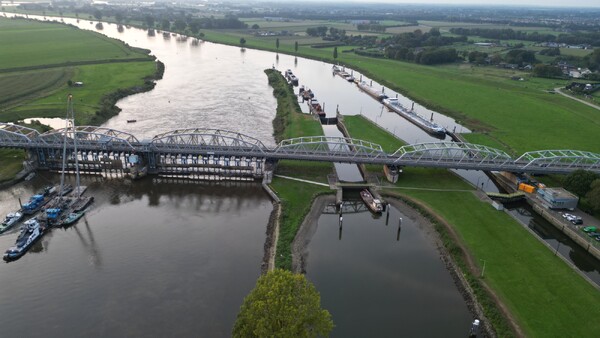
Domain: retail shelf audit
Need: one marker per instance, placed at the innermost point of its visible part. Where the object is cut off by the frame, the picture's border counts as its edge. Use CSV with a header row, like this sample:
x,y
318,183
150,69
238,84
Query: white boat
x,y
432,128
30,233
10,220
374,204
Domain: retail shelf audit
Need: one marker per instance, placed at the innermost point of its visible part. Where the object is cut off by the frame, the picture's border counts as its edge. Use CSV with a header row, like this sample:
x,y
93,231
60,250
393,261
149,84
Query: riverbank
x,y
483,103
536,291
295,196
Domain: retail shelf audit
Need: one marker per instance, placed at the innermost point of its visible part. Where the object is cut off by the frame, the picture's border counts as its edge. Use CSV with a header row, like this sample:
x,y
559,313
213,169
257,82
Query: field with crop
x,y
28,43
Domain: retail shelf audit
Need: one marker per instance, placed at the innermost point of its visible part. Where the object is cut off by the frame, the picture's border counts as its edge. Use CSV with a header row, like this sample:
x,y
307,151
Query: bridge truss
x,y
209,142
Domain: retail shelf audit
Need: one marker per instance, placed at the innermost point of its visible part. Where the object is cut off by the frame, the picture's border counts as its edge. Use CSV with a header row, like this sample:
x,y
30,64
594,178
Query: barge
x,y
291,77
367,88
372,203
429,126
342,73
315,107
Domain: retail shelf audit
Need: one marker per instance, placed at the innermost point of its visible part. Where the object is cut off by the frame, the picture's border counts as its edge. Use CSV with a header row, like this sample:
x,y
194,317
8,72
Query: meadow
x,y
544,294
517,116
28,43
41,58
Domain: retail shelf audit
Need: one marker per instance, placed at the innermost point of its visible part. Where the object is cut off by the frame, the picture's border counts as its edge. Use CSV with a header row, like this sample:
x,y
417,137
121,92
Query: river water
x,y
159,258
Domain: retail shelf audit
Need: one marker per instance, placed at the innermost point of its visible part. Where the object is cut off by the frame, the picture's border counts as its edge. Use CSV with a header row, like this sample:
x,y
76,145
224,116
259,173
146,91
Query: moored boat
x,y
72,218
37,201
372,203
371,91
10,220
432,128
315,107
30,233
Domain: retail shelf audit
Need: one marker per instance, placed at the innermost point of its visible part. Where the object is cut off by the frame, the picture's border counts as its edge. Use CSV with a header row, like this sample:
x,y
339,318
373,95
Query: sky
x,y
553,3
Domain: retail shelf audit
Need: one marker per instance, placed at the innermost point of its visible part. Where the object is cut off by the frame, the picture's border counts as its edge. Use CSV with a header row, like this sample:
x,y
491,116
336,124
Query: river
x,y
160,258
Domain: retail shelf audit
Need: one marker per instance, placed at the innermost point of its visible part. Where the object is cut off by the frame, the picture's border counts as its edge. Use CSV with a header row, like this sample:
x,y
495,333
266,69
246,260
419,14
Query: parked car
x,y
593,234
589,229
567,216
577,221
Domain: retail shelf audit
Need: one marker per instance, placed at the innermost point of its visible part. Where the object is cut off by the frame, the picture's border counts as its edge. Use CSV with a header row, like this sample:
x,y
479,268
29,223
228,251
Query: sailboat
x,y
68,208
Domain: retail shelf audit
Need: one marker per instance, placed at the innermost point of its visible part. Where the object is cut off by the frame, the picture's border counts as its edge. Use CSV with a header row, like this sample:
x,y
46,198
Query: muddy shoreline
x,y
309,226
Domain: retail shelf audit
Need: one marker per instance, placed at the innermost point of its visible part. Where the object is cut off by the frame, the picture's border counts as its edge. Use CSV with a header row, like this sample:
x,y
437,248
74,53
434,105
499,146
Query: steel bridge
x,y
202,143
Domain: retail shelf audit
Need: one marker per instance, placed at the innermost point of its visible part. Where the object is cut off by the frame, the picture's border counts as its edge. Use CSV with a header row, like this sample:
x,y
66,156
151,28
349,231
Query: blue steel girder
x,y
208,141
560,159
331,148
12,135
89,138
456,153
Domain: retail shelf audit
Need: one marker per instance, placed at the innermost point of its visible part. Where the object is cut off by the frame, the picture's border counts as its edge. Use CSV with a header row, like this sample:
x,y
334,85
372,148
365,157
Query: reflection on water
x,y
375,276
148,259
557,240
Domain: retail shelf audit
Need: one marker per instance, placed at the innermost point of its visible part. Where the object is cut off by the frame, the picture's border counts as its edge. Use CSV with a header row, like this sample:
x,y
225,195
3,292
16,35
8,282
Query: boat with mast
x,y
66,204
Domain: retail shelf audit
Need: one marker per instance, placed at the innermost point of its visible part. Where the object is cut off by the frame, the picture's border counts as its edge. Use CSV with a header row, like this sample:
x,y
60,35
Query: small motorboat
x,y
10,220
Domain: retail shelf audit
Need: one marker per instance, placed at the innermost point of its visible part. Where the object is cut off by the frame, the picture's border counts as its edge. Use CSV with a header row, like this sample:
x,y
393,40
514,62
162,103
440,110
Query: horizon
x,y
475,3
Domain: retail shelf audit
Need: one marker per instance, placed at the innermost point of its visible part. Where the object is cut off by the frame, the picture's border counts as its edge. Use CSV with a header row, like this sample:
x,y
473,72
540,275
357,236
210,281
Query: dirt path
x,y
559,91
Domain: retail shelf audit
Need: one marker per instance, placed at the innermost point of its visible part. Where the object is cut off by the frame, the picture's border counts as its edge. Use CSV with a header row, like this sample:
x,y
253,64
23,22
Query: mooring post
x,y
399,228
387,216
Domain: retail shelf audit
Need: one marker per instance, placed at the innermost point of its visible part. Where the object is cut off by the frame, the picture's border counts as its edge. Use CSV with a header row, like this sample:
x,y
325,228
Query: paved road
x,y
557,90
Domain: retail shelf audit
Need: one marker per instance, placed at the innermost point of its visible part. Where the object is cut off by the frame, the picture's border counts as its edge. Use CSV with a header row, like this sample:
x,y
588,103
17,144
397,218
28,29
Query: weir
x,y
214,152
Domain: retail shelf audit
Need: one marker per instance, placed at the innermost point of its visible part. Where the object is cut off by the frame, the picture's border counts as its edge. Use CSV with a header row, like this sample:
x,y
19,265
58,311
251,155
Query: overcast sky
x,y
561,3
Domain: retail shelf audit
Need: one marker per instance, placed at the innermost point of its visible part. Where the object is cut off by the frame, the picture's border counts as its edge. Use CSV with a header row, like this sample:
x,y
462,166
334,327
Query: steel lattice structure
x,y
333,149
208,141
571,159
90,138
203,141
15,136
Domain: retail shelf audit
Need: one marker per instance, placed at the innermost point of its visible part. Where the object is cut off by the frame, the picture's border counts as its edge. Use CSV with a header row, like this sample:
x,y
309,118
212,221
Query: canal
x,y
155,257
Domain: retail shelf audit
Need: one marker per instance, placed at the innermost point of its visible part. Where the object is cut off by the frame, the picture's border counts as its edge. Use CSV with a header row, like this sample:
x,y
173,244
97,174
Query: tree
x,y
579,182
255,26
282,304
242,42
335,53
593,196
277,43
97,14
149,19
165,25
179,24
119,18
296,46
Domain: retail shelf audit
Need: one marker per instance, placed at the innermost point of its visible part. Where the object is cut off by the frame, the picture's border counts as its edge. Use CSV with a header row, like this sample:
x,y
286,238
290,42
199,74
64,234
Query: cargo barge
x,y
342,73
291,77
367,88
432,128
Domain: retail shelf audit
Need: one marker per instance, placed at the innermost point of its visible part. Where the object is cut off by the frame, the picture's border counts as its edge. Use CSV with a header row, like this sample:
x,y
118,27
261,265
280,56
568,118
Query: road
x,y
557,90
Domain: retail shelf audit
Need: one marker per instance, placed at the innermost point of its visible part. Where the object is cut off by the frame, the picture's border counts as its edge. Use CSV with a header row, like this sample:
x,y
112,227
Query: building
x,y
558,198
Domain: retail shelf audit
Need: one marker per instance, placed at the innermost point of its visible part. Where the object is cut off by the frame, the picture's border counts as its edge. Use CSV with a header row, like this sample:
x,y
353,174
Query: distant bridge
x,y
188,147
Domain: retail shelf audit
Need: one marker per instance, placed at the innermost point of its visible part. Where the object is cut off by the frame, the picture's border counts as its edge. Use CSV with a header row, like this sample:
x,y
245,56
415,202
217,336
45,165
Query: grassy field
x,y
520,115
27,43
545,295
11,163
37,61
98,80
18,87
296,197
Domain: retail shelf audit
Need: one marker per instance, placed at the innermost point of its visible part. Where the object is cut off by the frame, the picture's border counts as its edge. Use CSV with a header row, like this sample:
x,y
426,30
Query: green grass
x,y
363,129
545,295
296,197
11,163
27,43
17,87
98,80
522,116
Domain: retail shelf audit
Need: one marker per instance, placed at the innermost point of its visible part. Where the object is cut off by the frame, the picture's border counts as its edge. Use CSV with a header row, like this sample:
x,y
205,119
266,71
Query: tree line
x,y
580,38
